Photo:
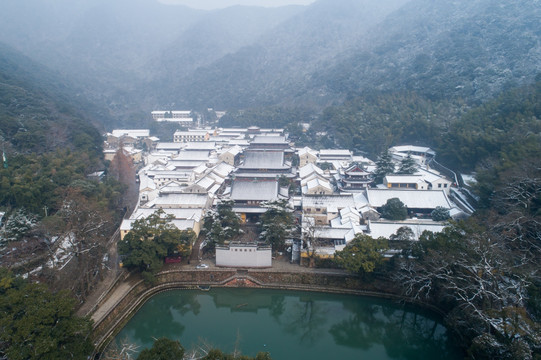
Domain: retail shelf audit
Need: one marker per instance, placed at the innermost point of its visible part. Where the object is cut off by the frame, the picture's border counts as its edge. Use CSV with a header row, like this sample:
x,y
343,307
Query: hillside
x,y
135,56
37,112
52,211
467,49
463,49
494,135
276,68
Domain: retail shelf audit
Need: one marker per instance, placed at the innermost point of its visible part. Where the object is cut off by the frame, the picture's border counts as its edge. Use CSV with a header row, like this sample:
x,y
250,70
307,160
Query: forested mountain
x,y
460,49
135,56
120,52
37,112
214,35
501,131
49,147
276,69
468,49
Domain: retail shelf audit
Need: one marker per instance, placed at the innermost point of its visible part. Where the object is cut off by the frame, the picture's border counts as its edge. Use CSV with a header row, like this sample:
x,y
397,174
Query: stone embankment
x,y
118,306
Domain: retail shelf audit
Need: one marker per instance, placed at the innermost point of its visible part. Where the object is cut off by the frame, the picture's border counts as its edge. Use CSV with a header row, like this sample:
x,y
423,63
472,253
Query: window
x,y
439,186
445,186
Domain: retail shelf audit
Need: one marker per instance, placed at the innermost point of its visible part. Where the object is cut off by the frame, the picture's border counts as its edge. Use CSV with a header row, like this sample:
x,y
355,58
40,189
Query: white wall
x,y
243,256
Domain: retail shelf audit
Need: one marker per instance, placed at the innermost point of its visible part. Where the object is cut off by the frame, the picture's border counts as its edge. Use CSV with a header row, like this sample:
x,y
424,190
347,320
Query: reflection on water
x,y
292,324
306,320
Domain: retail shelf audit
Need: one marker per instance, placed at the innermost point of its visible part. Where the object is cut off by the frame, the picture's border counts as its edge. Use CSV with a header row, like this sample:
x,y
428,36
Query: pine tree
x,y
384,166
408,166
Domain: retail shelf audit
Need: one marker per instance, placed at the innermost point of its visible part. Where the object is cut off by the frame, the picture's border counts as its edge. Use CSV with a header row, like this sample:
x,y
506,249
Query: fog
x,y
135,56
220,4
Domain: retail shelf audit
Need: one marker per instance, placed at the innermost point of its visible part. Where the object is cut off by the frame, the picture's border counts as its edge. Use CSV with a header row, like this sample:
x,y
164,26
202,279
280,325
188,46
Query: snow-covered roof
x,y
206,182
334,153
326,201
191,133
311,177
234,150
387,228
257,190
412,149
413,199
314,183
200,145
134,133
240,142
180,200
191,214
186,164
223,170
193,155
350,213
306,150
309,169
431,176
269,139
146,183
404,179
263,160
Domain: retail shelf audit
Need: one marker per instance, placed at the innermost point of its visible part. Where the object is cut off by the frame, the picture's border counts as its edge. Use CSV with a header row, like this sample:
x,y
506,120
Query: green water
x,y
292,325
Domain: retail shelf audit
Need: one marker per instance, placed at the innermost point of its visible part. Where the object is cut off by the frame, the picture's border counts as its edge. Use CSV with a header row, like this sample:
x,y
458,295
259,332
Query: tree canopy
x,y
277,223
440,214
394,209
384,166
163,349
38,324
362,255
221,224
167,349
152,239
407,166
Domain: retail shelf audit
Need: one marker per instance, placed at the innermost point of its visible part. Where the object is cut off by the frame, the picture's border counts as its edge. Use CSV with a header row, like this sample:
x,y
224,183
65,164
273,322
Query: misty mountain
x,y
38,112
137,55
468,49
277,66
103,46
215,35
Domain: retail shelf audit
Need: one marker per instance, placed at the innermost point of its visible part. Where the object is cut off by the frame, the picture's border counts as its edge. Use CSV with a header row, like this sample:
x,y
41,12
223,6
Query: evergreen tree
x,y
384,166
221,225
152,239
163,349
394,209
362,255
37,324
440,214
277,224
408,166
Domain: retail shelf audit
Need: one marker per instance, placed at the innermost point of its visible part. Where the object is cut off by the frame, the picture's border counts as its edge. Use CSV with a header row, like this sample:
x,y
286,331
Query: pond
x,y
291,325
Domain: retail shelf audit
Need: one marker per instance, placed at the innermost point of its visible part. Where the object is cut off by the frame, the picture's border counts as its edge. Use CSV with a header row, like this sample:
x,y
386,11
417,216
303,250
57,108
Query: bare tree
x,y
472,273
83,237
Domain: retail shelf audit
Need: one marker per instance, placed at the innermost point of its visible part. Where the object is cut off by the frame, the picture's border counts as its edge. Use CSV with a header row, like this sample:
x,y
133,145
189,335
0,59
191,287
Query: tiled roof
x,y
257,190
413,199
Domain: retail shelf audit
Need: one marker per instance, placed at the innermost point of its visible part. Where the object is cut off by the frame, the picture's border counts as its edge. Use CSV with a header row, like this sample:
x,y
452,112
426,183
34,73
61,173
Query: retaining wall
x,y
139,293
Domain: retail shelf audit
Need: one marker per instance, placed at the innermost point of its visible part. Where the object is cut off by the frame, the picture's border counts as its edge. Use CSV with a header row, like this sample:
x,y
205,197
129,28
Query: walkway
x,y
118,293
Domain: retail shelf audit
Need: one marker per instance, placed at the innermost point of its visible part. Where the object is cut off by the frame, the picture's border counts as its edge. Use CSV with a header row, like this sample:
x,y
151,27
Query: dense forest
x,y
50,146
